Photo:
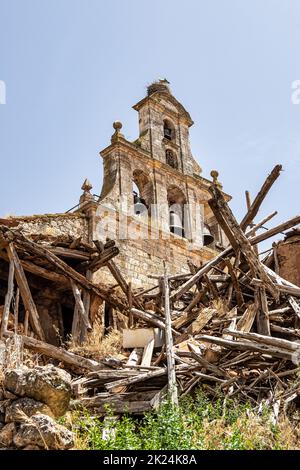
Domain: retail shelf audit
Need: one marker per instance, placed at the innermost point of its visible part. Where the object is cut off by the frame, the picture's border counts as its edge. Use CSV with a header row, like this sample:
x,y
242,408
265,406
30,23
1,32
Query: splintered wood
x,y
231,325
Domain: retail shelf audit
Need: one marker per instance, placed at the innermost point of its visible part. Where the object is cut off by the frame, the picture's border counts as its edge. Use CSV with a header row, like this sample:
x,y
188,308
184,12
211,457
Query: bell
x,y
139,204
176,224
208,238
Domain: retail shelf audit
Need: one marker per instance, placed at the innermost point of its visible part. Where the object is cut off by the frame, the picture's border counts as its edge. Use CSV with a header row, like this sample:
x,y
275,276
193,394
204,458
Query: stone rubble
x,y
36,397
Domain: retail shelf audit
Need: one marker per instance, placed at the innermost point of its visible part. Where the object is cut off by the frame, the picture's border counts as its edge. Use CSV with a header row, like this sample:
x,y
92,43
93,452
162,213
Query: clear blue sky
x,y
72,67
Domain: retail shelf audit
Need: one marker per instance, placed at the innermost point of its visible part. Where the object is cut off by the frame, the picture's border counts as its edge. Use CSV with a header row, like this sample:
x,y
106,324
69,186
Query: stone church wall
x,y
52,225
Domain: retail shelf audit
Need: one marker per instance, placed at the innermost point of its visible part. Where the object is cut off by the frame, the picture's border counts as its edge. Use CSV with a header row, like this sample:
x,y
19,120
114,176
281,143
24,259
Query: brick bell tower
x,y
156,179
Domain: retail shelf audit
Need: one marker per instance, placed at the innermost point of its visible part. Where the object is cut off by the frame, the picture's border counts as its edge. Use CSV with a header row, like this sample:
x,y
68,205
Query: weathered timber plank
x,y
8,298
25,291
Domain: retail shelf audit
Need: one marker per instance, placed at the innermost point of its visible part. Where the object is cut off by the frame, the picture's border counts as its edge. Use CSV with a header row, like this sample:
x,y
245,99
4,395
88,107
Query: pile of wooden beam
x,y
230,325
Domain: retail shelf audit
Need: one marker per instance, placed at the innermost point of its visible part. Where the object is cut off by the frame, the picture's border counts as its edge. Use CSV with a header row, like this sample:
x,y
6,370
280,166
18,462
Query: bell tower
x,y
164,128
156,181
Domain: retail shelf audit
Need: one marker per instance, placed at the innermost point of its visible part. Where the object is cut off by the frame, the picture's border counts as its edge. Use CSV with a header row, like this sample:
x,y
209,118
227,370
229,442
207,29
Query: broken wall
x,y
288,253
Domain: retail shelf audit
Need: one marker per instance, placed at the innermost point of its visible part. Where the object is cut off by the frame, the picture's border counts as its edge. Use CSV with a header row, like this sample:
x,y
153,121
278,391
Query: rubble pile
x,y
231,325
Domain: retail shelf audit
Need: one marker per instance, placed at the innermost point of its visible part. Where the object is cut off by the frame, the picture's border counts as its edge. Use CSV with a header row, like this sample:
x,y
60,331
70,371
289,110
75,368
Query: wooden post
x,y
262,318
248,202
8,298
16,311
129,296
80,306
74,331
86,303
25,291
172,385
26,323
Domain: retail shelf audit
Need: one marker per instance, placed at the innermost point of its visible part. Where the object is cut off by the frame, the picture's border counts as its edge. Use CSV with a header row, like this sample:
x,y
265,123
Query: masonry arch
x,y
169,130
143,192
177,210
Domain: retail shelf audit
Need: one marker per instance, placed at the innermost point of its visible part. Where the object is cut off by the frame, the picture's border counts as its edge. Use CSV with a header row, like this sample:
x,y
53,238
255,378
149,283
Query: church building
x,y
153,201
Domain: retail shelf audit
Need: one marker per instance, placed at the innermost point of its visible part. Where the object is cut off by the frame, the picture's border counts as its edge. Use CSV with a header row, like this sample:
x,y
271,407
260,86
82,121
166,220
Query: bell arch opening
x,y
142,188
177,210
169,130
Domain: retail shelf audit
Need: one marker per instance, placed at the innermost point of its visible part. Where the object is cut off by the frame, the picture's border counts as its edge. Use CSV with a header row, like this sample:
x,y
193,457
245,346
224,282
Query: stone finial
x,y
117,125
86,186
86,195
214,174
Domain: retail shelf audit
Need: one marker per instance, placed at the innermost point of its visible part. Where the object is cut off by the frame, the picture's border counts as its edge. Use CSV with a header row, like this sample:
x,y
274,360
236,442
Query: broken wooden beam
x,y
249,346
8,298
254,208
172,384
80,306
252,231
25,291
57,353
219,205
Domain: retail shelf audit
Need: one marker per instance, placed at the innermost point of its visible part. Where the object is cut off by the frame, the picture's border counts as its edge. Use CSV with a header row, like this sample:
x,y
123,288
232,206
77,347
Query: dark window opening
x,y
108,317
171,159
169,131
67,321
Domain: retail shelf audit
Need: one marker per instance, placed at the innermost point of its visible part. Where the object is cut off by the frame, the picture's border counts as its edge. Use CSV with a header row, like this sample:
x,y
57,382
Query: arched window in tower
x,y
142,193
139,204
171,159
169,130
177,209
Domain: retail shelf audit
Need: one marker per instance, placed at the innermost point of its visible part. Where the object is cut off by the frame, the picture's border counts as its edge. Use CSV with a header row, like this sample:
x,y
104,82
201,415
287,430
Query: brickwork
x,y
288,253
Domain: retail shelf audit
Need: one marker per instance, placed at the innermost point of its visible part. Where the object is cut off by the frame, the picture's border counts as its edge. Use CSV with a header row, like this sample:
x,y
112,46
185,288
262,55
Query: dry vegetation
x,y
96,347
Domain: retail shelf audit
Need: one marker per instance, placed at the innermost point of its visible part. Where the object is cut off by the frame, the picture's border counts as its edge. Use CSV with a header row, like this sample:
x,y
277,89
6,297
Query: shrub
x,y
197,423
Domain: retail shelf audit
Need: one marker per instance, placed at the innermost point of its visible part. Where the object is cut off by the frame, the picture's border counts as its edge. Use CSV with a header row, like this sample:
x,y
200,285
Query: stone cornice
x,y
153,98
128,147
33,217
144,155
